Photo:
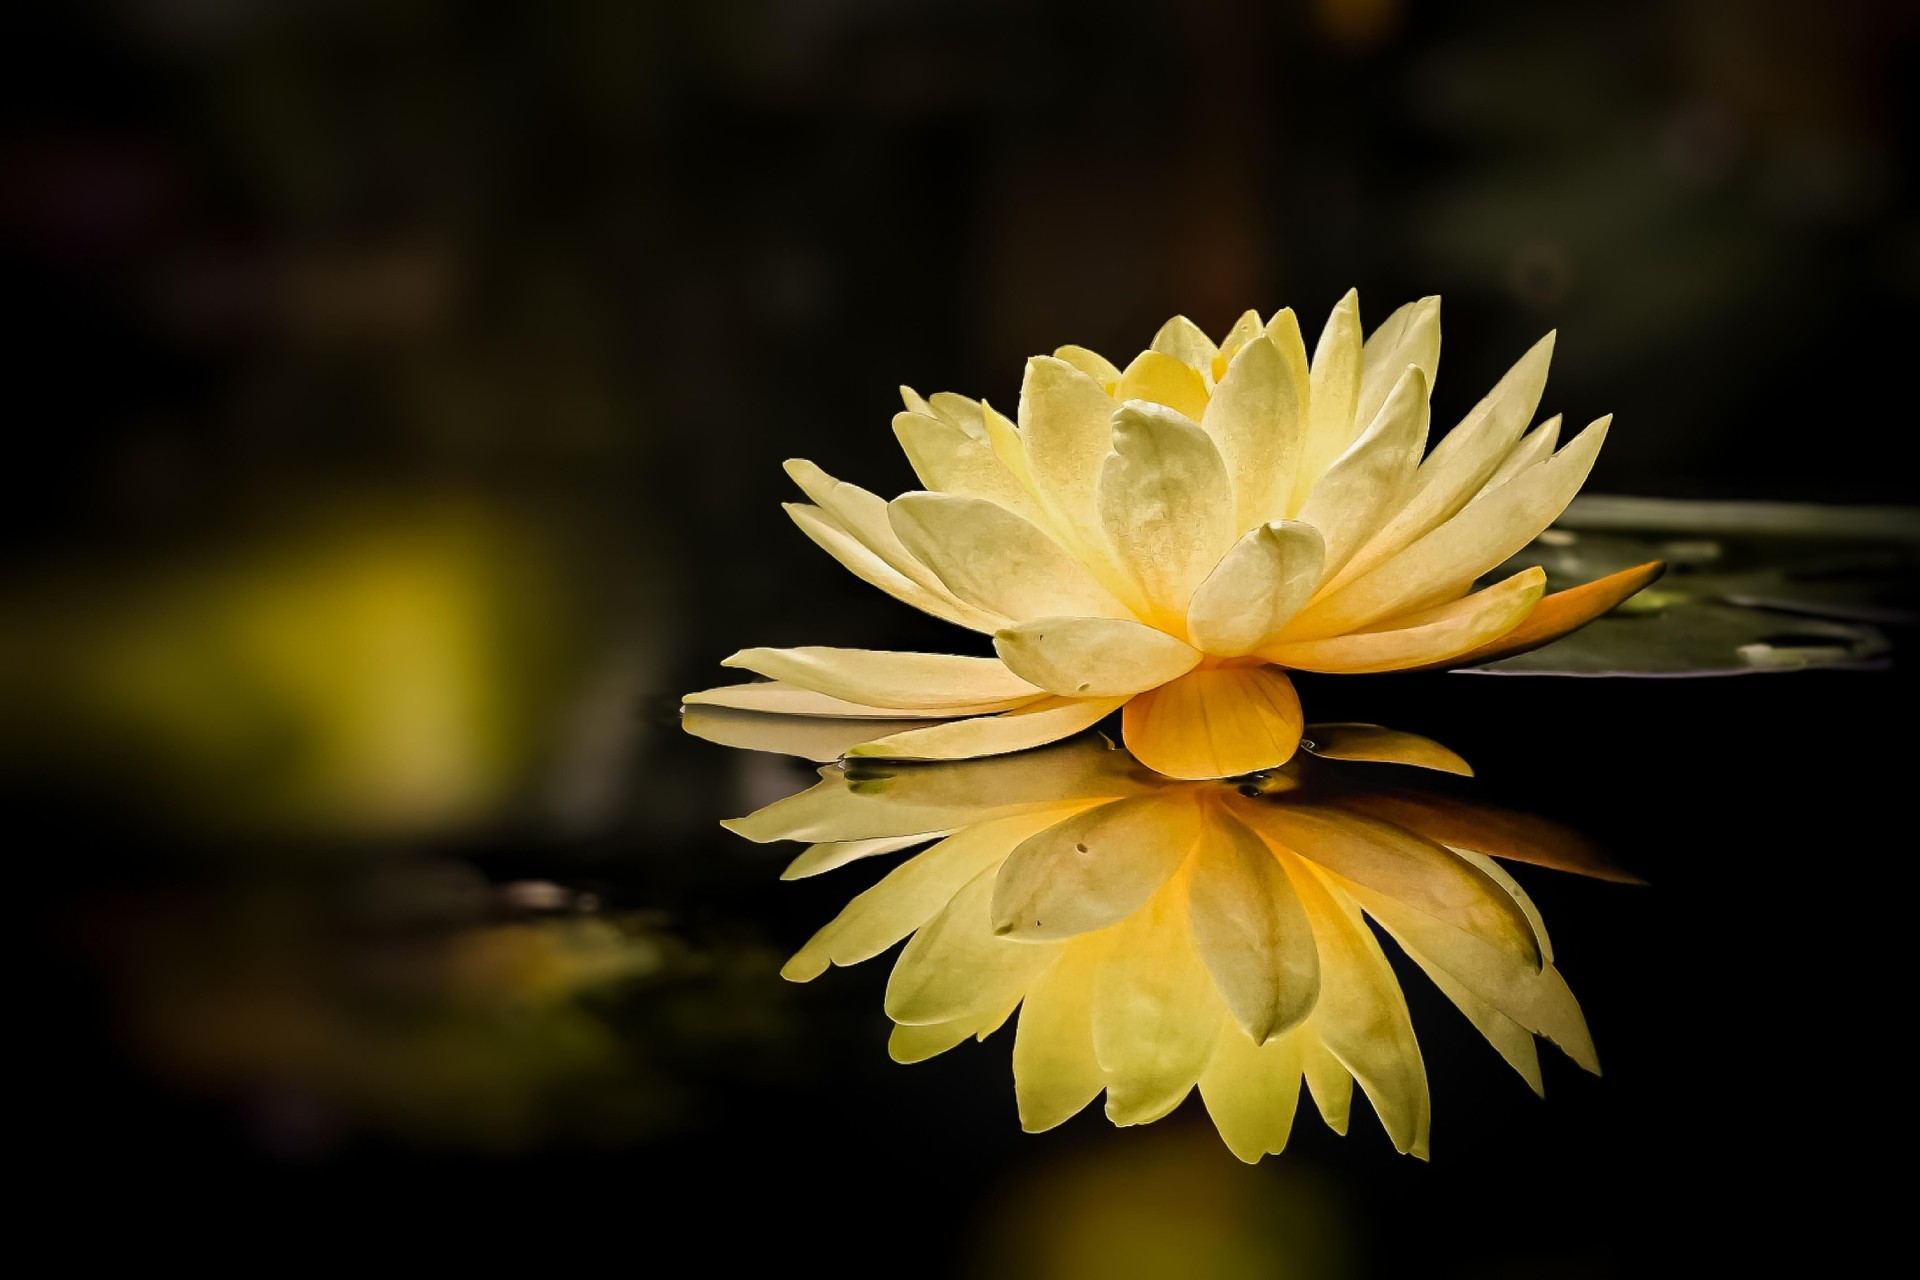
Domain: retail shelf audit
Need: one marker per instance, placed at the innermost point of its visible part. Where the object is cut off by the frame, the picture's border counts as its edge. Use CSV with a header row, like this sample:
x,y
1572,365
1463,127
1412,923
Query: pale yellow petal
x,y
955,966
1464,460
1386,746
1251,595
1536,446
1410,336
1244,330
1508,1038
961,411
1004,439
778,698
1330,1083
1366,483
1424,876
1055,1073
914,401
1095,868
1186,342
1502,877
1034,725
993,559
1091,363
1093,657
817,859
816,738
863,517
949,459
910,895
1157,377
1215,723
1432,635
1167,506
1362,1016
918,1044
1283,331
936,684
1257,416
1252,1091
861,561
1155,1016
1334,383
1066,427
1250,929
1444,563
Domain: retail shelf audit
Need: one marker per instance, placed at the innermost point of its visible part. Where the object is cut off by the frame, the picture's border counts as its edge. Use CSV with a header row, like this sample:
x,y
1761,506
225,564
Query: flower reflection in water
x,y
1156,934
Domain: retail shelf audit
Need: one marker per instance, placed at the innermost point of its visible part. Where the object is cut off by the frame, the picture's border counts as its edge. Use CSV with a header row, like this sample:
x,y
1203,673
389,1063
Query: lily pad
x,y
1750,587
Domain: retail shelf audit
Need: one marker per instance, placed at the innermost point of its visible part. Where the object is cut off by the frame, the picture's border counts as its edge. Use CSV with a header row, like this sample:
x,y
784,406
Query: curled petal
x,y
1421,639
1251,595
1166,505
1562,613
1091,363
1093,657
1385,746
1215,722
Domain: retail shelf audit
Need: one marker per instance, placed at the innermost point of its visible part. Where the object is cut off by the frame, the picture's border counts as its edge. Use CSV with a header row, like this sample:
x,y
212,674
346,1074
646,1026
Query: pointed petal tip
x,y
803,967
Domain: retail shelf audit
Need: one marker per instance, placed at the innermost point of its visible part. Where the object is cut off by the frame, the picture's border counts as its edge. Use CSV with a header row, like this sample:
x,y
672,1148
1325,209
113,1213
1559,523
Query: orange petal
x,y
1215,722
1559,614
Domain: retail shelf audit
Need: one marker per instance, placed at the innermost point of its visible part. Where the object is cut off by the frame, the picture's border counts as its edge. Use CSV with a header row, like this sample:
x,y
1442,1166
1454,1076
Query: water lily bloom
x,y
1157,935
1175,536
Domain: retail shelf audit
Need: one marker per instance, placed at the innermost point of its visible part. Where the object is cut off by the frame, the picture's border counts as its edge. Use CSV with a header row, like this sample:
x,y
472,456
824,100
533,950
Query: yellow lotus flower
x,y
1156,934
1175,536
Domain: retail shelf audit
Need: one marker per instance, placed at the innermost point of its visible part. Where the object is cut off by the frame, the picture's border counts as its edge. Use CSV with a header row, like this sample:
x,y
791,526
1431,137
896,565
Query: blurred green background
x,y
400,388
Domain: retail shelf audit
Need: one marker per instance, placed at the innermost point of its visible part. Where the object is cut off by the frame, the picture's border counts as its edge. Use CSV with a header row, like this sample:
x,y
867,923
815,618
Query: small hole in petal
x,y
1083,686
1079,848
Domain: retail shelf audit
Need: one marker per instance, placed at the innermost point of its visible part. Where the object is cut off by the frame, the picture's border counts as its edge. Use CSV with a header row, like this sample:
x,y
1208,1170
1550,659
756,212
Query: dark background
x,y
399,391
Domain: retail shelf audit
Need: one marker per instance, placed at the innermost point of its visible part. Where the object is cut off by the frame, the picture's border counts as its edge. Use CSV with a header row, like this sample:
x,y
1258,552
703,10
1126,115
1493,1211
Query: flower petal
x,y
1055,1074
1066,425
1426,877
777,697
956,967
1366,482
1256,417
1329,1082
1034,725
1461,464
1564,612
1508,1038
818,859
1167,506
1251,595
1244,330
1334,383
1421,639
911,894
1186,342
867,565
1215,723
1483,828
949,459
1445,562
1159,378
1362,1016
1250,930
910,1044
1004,439
1155,1016
1534,447
1095,868
1091,363
1283,331
993,559
958,410
1252,1091
1093,657
1410,336
816,738
936,684
1385,746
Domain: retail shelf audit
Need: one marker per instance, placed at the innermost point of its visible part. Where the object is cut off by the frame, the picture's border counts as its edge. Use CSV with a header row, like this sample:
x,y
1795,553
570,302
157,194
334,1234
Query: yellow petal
x,y
1366,483
991,558
942,684
1033,725
1095,868
1215,723
1483,828
816,738
1508,1038
948,459
863,517
1410,336
1386,746
956,967
1251,595
1093,657
1536,446
1283,331
1362,1016
1464,460
1256,418
818,859
1424,876
915,402
1500,876
778,698
1155,1016
1563,612
1252,1091
1055,1074
1066,425
1244,330
1424,638
861,561
1328,1081
1004,439
910,895
1161,379
1091,363
1186,342
960,411
1334,393
1444,563
918,1044
1167,506
1250,930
